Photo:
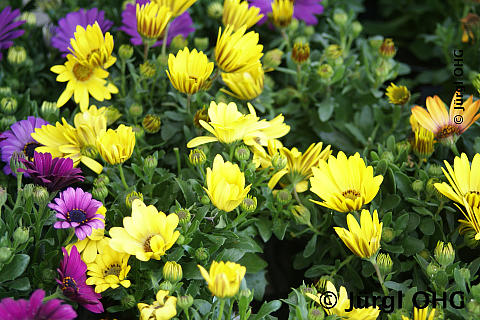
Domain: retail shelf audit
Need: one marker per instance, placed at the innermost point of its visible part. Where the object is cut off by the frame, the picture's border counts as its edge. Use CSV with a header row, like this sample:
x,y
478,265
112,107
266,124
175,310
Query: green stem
x,y
285,37
19,190
54,295
122,176
123,79
453,146
299,75
146,46
70,236
179,165
379,275
296,195
341,265
230,310
165,38
220,312
186,313
189,101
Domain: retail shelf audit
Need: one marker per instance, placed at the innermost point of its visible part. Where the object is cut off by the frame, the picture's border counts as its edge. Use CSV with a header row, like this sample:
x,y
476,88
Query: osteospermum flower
x,y
34,308
147,234
189,71
88,247
236,51
447,126
225,184
18,139
223,278
282,12
246,85
72,273
423,143
116,146
181,25
266,130
422,314
164,307
110,268
472,215
52,173
152,20
463,180
68,24
82,81
397,94
76,209
8,28
237,14
304,10
362,239
177,7
344,184
299,165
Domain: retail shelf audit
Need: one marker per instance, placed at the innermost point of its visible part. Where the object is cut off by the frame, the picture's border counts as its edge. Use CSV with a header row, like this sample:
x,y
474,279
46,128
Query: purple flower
x,y
72,281
54,174
302,10
182,24
18,139
67,26
34,309
78,210
7,28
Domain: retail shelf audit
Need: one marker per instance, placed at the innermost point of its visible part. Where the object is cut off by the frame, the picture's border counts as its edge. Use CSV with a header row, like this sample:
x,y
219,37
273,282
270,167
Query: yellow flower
x,y
282,12
264,159
299,165
152,19
237,51
164,308
177,7
92,117
443,124
464,181
362,239
342,304
109,269
414,123
470,26
237,14
344,184
225,184
422,314
82,82
246,85
189,71
91,48
423,143
88,247
147,234
78,144
472,206
397,94
223,278
112,114
116,146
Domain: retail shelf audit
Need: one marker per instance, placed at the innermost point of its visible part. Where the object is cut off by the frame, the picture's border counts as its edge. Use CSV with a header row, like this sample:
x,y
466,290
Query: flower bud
x,y
309,31
128,301
201,254
279,161
325,71
356,28
283,196
388,234
293,26
465,273
125,51
332,52
132,196
249,204
245,293
162,60
178,43
139,132
5,254
101,180
100,193
166,285
151,123
215,10
197,157
147,70
242,153
301,214
5,91
28,191
40,195
417,185
181,239
184,216
205,199
3,196
272,59
300,52
473,308
432,269
185,302
444,253
201,114
49,109
20,236
112,114
172,272
29,17
387,49
6,122
150,163
200,43
135,110
16,55
8,105
315,314
434,170
385,263
340,17
469,238
15,161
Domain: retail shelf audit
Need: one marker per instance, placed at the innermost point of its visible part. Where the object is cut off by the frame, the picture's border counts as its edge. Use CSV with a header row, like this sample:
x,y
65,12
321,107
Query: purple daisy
x,y
72,282
18,139
7,28
34,309
68,25
302,10
78,210
182,24
52,173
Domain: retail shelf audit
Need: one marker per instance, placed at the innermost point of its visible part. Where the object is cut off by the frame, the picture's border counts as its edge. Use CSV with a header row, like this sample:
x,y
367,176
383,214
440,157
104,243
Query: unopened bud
x,y
16,161
301,214
8,105
112,114
385,263
201,114
249,204
387,49
432,269
101,180
340,17
283,196
135,110
178,43
20,236
40,195
132,196
16,55
197,157
152,123
242,153
29,17
147,70
300,52
139,132
417,185
150,163
6,122
184,216
332,52
3,196
279,161
272,59
185,302
215,10
200,43
325,71
388,234
356,28
100,193
166,285
28,191
125,51
128,301
316,314
434,170
49,109
201,254
444,253
172,271
205,199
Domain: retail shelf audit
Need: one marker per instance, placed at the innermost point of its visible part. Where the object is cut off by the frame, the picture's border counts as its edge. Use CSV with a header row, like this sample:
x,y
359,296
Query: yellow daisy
x,y
237,13
422,314
152,20
164,308
246,85
282,12
177,7
116,146
397,94
269,129
472,206
223,278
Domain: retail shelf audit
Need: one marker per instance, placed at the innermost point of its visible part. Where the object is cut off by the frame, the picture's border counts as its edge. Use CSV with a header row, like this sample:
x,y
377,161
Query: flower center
x,y
77,215
69,286
82,73
89,151
351,194
114,269
29,149
447,131
146,245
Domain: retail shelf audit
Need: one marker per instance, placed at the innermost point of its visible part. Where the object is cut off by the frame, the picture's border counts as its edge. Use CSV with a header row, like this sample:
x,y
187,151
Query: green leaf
x,y
279,228
266,309
232,254
459,280
325,109
253,262
413,245
257,282
427,226
391,201
21,284
310,247
15,268
404,184
392,248
423,211
264,226
402,222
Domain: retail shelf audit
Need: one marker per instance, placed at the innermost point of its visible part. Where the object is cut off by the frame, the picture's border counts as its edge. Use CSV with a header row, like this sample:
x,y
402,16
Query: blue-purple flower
x,y
35,309
18,139
72,281
8,28
302,10
68,25
78,210
183,25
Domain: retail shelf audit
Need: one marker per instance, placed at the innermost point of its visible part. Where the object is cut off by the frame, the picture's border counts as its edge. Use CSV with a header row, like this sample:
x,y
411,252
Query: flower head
x,y
152,20
304,10
88,247
177,7
237,51
110,268
362,239
18,139
8,28
116,146
470,27
52,173
147,234
397,94
447,125
423,143
246,85
422,314
36,309
72,273
225,184
223,278
164,308
282,12
237,14
472,216
344,184
68,24
189,71
77,210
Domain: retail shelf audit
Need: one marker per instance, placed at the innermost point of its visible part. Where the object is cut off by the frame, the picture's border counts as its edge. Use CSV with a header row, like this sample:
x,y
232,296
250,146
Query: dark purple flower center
x,y
77,215
29,149
69,286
